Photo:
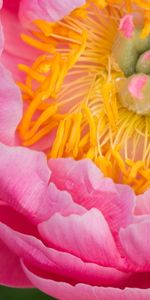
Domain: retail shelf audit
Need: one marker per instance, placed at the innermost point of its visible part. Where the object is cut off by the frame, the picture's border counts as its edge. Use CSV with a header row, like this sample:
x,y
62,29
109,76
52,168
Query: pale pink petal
x,y
83,180
143,204
13,42
24,185
61,201
11,272
24,177
65,291
135,240
10,107
15,50
50,10
87,236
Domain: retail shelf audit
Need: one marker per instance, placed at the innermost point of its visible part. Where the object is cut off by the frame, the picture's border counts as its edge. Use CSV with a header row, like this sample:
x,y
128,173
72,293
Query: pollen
x,y
70,93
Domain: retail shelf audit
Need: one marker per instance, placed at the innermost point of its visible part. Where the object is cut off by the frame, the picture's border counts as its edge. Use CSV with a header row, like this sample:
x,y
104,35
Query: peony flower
x,y
75,148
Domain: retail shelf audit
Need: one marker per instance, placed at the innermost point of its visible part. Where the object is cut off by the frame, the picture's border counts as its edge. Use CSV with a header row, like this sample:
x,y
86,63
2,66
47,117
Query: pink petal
x,y
56,263
11,5
15,50
64,291
49,10
83,180
17,221
143,204
135,240
25,185
1,37
11,272
10,107
87,236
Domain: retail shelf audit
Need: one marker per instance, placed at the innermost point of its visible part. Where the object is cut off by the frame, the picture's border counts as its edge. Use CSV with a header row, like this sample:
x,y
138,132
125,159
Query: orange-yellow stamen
x,y
71,97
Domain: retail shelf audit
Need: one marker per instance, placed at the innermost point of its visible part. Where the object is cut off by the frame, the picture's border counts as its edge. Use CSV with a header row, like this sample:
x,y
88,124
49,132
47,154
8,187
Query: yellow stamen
x,y
71,97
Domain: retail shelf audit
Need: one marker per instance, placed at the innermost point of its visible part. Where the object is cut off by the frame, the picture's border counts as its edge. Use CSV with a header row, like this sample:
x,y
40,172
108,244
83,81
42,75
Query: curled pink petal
x,y
65,291
93,190
10,264
48,10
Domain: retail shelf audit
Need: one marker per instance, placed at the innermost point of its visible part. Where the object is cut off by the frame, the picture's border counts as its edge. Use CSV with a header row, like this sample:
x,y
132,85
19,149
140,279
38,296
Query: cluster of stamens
x,y
71,97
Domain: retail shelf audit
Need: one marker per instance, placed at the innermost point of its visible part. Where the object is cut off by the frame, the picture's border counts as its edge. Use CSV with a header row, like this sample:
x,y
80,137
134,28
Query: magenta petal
x,y
1,36
17,221
135,240
11,5
11,272
49,10
65,291
83,180
87,236
10,107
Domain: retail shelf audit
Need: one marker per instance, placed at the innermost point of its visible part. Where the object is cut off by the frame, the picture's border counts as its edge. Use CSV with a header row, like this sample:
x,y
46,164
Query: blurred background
x,y
22,294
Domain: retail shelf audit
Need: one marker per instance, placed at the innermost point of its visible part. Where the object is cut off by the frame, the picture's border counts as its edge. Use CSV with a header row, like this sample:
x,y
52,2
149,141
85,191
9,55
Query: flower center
x,y
132,53
72,95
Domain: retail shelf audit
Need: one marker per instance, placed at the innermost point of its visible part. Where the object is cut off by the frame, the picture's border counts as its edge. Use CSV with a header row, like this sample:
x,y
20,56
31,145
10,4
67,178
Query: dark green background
x,y
22,294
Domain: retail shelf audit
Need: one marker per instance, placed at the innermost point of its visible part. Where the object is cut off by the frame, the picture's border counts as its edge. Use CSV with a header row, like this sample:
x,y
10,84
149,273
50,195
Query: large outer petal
x,y
64,291
50,10
10,107
50,262
11,272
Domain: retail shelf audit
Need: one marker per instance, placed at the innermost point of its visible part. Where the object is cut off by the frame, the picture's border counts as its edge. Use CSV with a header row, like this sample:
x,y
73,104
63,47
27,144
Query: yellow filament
x,y
70,94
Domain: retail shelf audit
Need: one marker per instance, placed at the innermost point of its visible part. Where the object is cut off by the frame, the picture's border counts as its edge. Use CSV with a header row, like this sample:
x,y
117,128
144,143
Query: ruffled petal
x,y
65,291
50,10
83,180
24,177
50,262
11,272
25,186
87,236
10,107
135,240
